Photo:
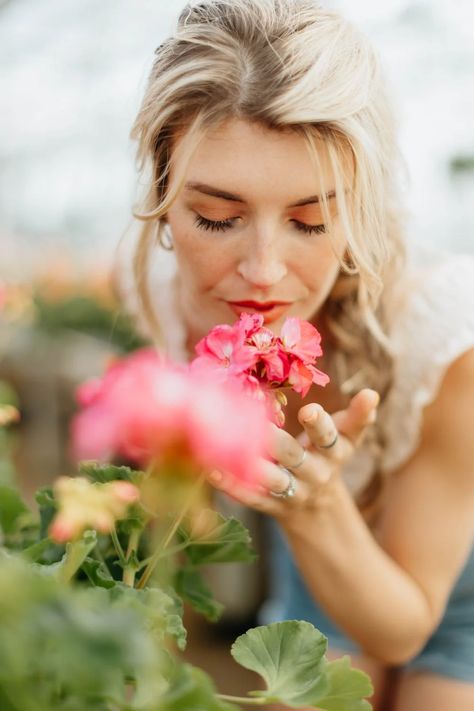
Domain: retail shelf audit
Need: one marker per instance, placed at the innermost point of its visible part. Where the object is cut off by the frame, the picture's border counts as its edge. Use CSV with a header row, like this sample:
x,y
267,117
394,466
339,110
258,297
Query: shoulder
x,y
432,336
435,295
447,420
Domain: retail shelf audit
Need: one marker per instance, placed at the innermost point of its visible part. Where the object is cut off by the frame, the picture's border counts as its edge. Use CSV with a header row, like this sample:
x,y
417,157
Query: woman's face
x,y
248,229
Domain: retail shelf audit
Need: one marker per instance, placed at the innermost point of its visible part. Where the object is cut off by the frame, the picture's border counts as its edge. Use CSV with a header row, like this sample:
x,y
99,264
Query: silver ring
x,y
303,457
331,444
290,489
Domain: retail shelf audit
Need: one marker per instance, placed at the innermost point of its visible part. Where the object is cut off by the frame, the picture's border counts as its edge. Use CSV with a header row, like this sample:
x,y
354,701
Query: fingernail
x,y
311,414
374,397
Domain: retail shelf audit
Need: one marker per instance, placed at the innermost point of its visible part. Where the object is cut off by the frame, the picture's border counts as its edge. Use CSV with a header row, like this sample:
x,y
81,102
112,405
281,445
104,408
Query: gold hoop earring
x,y
165,239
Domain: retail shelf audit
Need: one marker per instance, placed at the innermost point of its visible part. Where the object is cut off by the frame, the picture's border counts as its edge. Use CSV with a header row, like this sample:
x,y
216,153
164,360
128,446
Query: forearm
x,y
360,587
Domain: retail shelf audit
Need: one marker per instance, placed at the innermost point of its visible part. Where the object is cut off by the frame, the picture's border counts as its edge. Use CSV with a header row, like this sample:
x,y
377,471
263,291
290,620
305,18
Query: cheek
x,y
202,261
321,265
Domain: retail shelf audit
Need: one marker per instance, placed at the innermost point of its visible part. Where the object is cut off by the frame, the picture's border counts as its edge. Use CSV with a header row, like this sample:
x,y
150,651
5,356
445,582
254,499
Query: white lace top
x,y
434,325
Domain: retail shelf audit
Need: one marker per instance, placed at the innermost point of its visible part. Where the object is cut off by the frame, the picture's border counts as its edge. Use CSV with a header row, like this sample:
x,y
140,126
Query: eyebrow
x,y
216,192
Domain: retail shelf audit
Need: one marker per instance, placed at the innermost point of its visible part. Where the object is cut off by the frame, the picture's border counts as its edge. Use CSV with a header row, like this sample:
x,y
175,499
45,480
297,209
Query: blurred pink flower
x,y
146,409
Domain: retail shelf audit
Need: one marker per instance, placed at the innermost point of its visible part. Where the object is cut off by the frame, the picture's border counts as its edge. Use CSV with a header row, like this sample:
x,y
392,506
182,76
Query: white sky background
x,y
71,77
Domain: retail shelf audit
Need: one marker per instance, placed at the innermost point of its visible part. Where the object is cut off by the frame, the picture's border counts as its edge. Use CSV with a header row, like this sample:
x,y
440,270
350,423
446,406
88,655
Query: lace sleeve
x,y
430,333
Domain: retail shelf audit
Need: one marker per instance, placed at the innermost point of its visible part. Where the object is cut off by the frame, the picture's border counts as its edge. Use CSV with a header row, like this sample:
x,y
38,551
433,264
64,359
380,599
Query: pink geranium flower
x,y
225,347
146,409
301,339
268,351
253,354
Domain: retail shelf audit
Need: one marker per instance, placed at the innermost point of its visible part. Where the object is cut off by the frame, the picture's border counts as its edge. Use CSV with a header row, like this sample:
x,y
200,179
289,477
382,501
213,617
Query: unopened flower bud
x,y
281,397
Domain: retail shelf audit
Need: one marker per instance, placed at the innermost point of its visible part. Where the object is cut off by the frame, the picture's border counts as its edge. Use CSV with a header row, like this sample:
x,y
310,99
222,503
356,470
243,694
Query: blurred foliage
x,y
58,301
461,164
83,627
85,314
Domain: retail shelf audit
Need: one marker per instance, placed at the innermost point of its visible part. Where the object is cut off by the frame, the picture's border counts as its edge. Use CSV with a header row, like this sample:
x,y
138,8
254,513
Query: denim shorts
x,y
449,652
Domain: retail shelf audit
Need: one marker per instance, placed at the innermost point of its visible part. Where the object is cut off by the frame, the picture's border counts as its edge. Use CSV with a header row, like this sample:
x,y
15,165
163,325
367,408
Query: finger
x,y
276,481
293,454
285,449
361,412
272,478
323,433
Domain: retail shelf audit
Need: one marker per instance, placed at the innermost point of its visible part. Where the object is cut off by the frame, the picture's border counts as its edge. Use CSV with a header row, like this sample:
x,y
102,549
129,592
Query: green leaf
x,y
192,690
347,687
98,573
12,509
44,551
190,585
228,541
161,611
103,473
47,508
290,658
76,553
64,647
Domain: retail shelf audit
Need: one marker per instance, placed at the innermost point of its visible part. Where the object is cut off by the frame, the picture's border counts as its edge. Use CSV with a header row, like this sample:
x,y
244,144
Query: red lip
x,y
259,305
270,310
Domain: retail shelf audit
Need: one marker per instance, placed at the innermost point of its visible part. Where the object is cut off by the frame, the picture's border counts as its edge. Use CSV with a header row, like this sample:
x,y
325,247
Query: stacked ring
x,y
290,489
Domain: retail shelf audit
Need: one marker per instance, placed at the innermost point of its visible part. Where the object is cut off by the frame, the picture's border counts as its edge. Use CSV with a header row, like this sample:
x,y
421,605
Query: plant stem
x,y
117,546
164,554
169,536
129,571
243,700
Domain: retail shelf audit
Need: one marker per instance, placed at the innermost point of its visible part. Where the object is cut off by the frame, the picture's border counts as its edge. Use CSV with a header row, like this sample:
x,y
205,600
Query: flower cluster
x,y
148,411
82,504
253,354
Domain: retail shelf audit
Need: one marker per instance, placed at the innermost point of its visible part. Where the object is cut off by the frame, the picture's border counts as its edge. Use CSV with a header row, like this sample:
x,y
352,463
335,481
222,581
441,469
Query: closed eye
x,y
214,226
222,225
309,229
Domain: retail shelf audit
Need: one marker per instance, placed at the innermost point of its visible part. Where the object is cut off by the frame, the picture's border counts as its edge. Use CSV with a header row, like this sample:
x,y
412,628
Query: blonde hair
x,y
289,65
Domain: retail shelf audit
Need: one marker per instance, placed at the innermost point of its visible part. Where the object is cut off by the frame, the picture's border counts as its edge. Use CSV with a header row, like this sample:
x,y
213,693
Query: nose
x,y
262,265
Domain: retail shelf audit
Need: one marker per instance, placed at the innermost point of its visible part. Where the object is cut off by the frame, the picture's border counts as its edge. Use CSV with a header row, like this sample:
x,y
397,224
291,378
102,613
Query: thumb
x,y
361,412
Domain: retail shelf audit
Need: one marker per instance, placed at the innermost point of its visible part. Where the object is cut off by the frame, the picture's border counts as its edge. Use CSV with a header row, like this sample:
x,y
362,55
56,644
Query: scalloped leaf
x,y
103,473
163,611
227,541
347,687
290,658
191,586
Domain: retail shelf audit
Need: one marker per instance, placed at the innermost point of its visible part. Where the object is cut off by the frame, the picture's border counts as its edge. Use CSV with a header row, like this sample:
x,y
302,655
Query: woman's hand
x,y
314,459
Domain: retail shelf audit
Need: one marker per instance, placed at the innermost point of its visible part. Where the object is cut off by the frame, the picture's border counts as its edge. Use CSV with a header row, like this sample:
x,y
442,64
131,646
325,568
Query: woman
x,y
273,187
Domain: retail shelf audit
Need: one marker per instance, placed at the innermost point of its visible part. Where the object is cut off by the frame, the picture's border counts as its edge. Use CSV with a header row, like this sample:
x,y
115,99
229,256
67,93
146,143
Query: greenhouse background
x,y
71,79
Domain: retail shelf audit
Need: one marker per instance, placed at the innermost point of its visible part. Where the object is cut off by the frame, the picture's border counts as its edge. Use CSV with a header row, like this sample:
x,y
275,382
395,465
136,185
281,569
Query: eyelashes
x,y
223,225
213,226
309,229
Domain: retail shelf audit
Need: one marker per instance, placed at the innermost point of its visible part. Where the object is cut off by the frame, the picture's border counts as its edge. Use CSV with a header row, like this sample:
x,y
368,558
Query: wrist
x,y
321,509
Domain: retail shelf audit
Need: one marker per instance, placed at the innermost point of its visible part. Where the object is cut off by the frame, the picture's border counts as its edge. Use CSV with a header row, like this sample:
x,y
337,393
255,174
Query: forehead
x,y
257,162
